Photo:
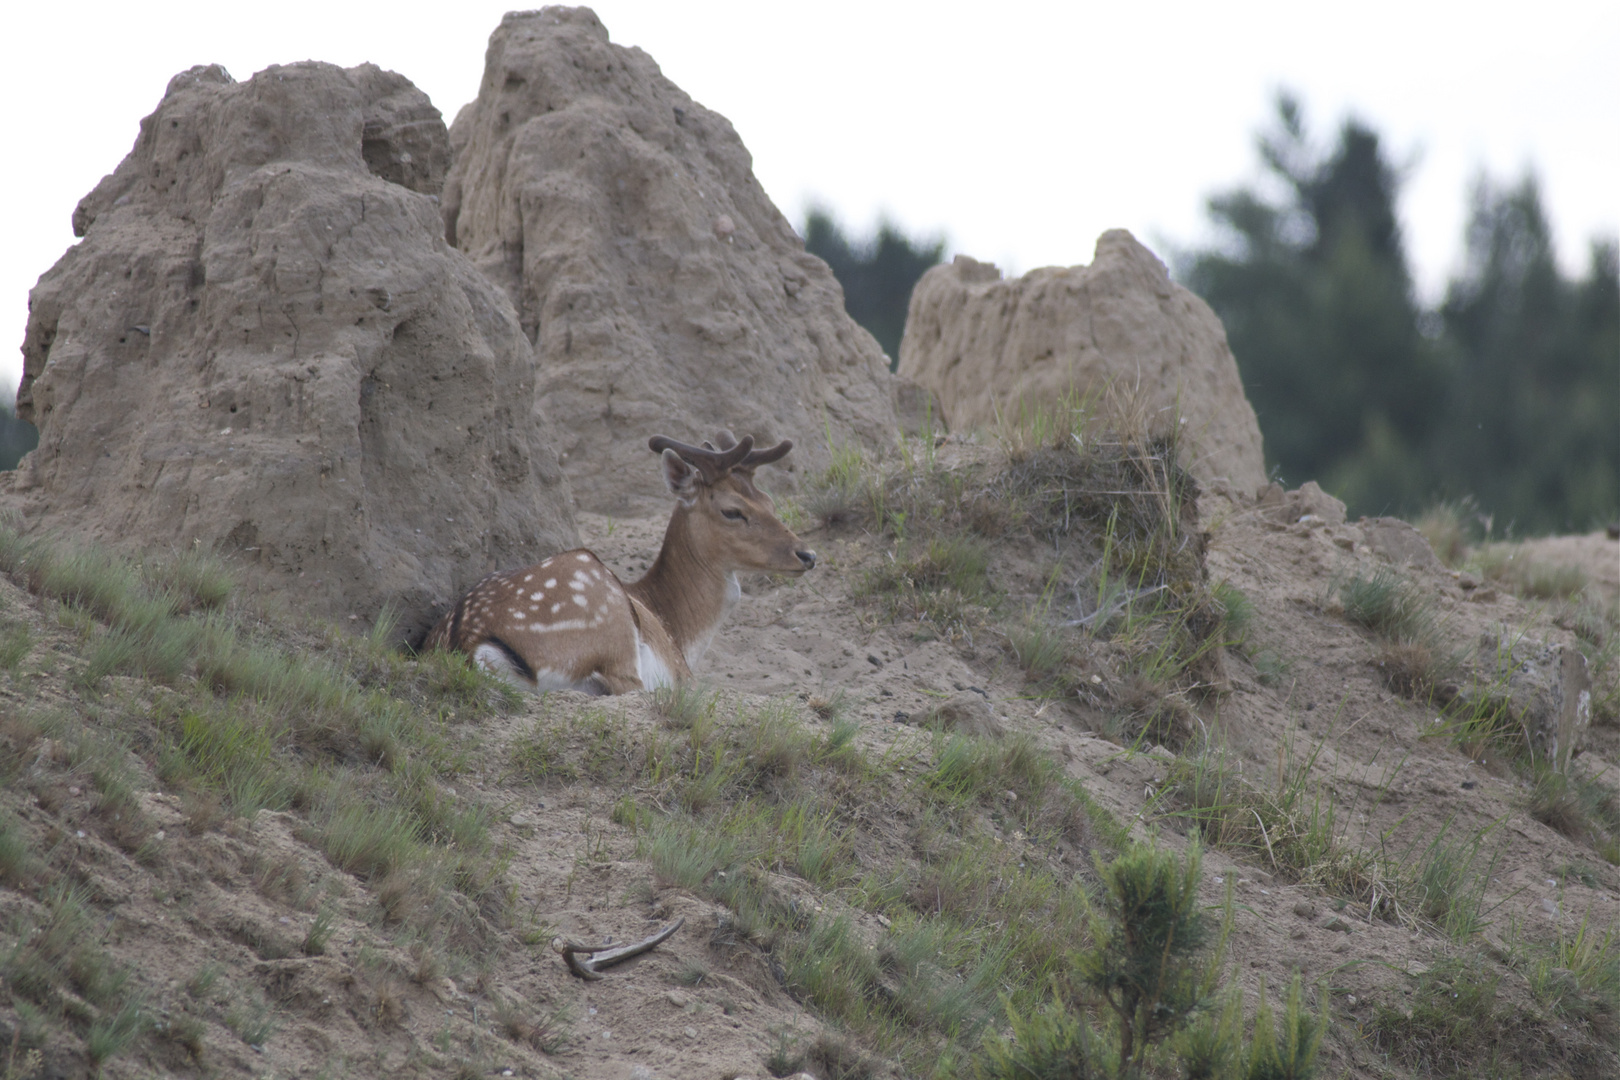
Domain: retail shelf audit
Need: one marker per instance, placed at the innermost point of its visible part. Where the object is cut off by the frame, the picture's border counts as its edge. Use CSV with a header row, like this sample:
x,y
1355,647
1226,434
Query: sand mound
x,y
264,345
984,344
661,288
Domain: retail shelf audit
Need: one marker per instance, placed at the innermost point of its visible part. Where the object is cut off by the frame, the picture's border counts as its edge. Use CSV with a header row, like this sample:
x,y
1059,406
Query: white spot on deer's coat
x,y
537,596
582,557
579,598
528,577
564,624
551,583
556,608
517,615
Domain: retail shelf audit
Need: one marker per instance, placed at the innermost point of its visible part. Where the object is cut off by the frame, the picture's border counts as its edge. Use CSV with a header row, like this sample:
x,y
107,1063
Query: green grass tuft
x,y
1388,604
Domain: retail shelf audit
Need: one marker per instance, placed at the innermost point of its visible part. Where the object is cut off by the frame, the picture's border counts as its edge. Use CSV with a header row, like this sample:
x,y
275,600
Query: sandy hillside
x,y
240,942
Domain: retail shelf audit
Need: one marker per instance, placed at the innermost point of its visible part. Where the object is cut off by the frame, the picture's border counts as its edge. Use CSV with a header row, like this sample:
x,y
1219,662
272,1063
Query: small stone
x,y
1305,909
1349,999
691,1032
873,660
1338,925
676,998
523,820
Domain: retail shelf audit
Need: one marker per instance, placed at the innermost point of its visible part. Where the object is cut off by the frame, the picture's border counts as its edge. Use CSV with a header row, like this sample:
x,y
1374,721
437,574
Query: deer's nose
x,y
808,558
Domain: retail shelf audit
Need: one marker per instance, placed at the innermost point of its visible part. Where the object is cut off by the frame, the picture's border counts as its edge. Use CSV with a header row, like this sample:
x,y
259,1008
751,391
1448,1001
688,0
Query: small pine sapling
x,y
1049,1043
1148,964
1286,1050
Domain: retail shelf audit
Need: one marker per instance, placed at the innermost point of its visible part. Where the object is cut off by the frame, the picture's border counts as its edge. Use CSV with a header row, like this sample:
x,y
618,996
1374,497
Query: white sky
x,y
1019,129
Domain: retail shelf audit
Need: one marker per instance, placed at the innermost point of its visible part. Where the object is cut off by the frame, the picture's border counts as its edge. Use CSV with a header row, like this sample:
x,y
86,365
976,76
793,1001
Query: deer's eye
x,y
732,515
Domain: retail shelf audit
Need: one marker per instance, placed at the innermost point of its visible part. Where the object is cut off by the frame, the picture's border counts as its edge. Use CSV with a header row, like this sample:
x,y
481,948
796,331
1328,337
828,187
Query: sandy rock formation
x,y
1401,544
1547,689
662,290
1307,504
983,343
263,344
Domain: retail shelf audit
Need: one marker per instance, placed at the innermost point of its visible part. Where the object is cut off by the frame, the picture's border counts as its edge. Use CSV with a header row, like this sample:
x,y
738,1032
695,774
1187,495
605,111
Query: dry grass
x,y
1409,668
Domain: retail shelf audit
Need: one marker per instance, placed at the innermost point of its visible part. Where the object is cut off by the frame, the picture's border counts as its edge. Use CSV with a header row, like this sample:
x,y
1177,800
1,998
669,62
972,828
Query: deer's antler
x,y
726,453
603,955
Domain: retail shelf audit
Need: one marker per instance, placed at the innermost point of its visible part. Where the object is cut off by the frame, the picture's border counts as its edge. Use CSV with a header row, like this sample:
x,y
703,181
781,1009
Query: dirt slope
x,y
1304,696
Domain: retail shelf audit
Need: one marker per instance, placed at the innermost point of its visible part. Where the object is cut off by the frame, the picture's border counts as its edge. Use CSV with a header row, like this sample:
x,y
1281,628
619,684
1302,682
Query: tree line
x,y
1506,394
1504,397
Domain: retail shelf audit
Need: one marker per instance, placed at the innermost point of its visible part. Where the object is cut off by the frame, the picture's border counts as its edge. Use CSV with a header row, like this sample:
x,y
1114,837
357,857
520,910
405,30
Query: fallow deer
x,y
569,623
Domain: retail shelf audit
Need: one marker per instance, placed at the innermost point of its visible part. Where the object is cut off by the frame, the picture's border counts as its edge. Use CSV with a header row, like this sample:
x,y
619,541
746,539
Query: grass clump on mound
x,y
1291,826
1410,653
1100,526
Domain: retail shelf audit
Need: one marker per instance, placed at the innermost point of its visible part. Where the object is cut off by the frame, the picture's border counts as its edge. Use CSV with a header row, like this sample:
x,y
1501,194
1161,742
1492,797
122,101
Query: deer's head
x,y
730,523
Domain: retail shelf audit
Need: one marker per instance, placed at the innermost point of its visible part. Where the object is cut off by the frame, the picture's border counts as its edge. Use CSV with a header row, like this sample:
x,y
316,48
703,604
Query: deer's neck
x,y
690,594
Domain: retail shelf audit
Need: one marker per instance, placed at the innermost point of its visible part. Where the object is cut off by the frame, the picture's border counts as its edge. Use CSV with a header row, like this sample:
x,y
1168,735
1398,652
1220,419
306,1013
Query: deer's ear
x,y
681,477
